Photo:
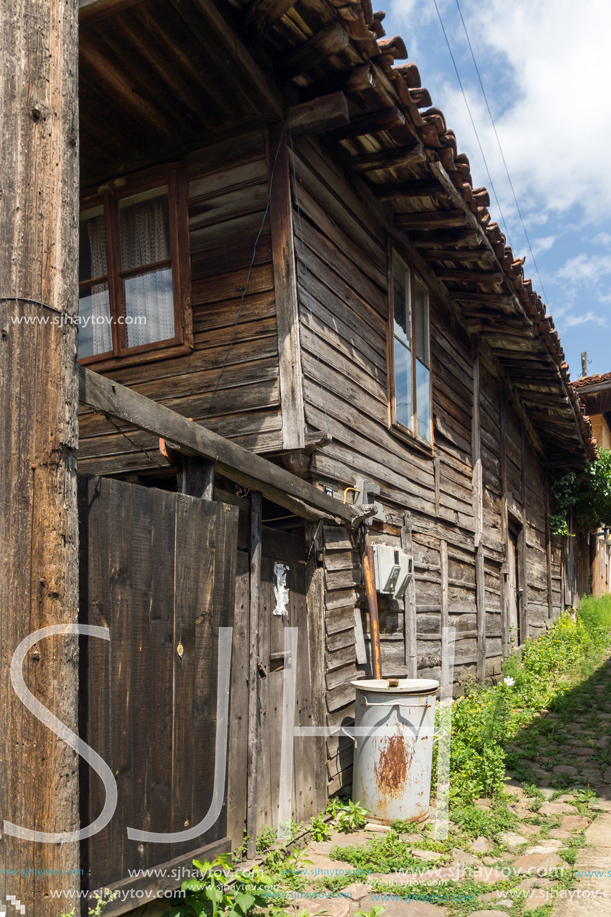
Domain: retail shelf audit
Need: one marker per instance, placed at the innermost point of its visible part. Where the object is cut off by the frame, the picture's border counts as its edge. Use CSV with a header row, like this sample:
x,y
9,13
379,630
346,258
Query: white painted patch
x,y
281,590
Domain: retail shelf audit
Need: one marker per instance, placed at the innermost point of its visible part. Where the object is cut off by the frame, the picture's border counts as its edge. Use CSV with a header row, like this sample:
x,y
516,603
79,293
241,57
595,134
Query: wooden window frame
x,y
109,195
395,426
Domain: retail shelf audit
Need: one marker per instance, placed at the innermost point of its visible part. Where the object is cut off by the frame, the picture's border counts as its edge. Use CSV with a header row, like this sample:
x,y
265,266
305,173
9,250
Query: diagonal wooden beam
x,y
233,461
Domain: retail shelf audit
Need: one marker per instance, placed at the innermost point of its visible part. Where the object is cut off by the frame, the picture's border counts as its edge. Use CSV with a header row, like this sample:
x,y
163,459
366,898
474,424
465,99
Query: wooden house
x,y
281,242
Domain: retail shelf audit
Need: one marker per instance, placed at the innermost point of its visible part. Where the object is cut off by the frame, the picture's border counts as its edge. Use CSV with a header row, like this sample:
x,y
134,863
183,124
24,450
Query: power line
x,y
481,149
532,254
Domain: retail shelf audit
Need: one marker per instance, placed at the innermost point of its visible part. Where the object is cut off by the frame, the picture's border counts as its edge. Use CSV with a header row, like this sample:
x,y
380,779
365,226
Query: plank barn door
x,y
284,557
158,569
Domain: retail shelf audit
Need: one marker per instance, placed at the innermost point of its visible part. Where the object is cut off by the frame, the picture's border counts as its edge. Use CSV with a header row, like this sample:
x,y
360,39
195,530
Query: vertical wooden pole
x,y
523,546
478,512
256,502
198,477
369,580
504,522
409,603
38,419
445,588
548,553
285,287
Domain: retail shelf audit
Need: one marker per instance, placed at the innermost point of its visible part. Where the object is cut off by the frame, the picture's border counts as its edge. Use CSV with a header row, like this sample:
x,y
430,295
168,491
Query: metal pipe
x,y
369,579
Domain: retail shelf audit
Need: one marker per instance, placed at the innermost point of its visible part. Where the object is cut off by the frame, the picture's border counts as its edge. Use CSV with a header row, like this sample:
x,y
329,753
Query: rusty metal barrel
x,y
393,751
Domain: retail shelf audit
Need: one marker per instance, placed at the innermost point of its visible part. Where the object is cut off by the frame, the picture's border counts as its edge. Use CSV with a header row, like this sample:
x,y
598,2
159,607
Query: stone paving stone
x,y
428,855
537,898
413,909
513,840
574,823
462,858
356,891
565,769
556,808
323,866
538,861
560,835
488,914
333,907
481,845
489,875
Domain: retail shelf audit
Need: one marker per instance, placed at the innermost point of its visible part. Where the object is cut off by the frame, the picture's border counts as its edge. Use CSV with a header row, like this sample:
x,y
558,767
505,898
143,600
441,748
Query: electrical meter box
x,y
393,569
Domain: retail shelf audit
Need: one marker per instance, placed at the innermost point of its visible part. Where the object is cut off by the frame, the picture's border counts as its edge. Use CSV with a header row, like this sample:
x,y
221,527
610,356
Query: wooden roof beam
x,y
319,115
390,191
233,461
388,159
263,14
461,275
460,254
370,123
444,238
434,219
488,299
311,53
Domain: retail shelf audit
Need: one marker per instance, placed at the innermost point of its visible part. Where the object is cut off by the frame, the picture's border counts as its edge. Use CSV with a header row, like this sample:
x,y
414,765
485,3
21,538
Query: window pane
x,y
149,307
94,331
401,304
144,228
421,317
403,385
423,401
92,244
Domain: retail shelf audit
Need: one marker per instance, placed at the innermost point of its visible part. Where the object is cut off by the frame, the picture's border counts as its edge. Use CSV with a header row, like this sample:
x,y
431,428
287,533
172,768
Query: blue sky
x,y
546,69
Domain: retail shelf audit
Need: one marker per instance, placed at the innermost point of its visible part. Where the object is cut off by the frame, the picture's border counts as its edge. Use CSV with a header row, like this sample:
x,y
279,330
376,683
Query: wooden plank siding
x,y
342,282
227,194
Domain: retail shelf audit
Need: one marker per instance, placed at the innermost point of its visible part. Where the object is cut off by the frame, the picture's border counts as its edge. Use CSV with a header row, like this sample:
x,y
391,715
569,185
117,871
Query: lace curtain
x,y
144,240
100,331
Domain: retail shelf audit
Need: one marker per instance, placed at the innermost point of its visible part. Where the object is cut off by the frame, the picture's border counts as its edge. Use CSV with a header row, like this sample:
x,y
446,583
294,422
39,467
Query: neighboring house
x,y
595,392
322,284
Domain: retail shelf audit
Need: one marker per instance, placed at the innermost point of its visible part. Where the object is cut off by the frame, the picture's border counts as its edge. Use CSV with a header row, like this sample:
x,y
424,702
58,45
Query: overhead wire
x,y
498,140
468,107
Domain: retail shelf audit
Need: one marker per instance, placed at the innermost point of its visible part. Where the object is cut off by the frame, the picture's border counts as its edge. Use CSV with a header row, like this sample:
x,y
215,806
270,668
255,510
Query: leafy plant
x,y
102,901
348,815
320,829
211,896
376,911
585,494
266,839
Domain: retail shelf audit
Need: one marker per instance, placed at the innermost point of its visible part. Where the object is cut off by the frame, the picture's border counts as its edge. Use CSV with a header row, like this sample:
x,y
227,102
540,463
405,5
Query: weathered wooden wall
x,y
227,191
458,544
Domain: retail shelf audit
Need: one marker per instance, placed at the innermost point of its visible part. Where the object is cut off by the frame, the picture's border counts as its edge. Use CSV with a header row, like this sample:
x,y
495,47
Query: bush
x,y
486,719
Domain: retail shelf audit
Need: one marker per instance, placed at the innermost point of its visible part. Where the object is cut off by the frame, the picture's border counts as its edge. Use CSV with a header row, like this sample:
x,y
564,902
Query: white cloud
x,y
603,238
556,124
585,268
590,317
543,244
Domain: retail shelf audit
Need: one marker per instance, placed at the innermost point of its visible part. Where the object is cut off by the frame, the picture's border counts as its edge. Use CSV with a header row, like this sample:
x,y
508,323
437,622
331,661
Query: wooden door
x,y
158,570
283,565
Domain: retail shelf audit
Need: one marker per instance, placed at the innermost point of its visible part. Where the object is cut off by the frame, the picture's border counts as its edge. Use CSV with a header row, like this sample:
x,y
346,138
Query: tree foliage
x,y
584,494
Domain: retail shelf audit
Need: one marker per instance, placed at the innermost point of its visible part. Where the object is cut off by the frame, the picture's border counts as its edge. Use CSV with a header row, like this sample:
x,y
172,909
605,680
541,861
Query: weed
x,y
320,829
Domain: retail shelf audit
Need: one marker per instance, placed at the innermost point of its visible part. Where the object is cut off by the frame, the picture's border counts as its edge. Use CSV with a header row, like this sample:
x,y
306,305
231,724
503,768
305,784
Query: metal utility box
x,y
393,569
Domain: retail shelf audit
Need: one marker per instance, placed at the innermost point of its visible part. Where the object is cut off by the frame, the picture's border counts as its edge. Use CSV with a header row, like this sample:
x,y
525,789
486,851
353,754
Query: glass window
x,y
411,402
129,270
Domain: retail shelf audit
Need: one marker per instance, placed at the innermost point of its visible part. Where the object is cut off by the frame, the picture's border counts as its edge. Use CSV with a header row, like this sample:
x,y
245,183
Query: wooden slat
x,y
231,460
285,286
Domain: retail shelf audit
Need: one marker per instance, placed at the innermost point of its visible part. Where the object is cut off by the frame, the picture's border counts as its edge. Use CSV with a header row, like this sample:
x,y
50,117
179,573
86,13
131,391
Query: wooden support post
x,y
256,525
478,510
38,418
409,603
504,522
198,477
285,289
369,579
523,546
548,552
315,599
445,591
